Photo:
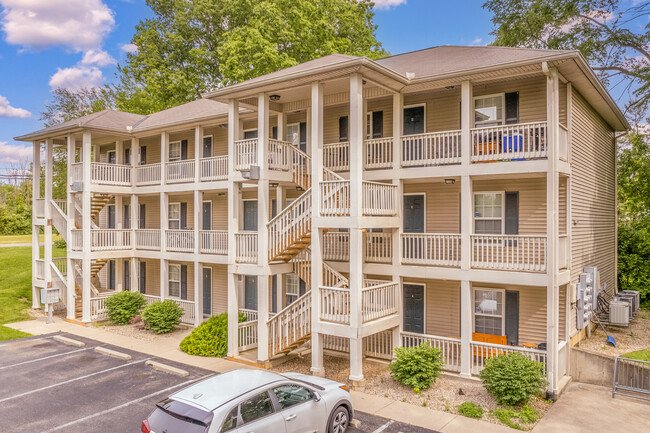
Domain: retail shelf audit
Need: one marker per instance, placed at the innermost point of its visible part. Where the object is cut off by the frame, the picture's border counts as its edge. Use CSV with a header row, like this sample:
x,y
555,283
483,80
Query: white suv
x,y
254,401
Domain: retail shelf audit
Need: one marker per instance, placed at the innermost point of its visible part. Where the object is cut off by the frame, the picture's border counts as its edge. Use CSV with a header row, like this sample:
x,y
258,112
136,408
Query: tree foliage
x,y
613,36
16,209
191,47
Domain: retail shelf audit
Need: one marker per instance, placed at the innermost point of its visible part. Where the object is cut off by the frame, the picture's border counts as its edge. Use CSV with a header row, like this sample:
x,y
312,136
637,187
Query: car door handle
x,y
290,417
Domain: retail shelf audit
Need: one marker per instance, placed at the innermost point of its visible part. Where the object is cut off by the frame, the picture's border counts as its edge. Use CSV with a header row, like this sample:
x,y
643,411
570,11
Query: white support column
x,y
552,222
198,220
315,137
164,222
119,152
233,315
397,260
119,275
398,118
119,212
357,121
198,293
262,134
164,149
356,285
36,230
466,122
282,123
198,153
70,283
96,151
465,265
135,271
262,319
233,133
465,328
466,219
135,161
263,205
164,279
356,360
308,120
47,253
85,226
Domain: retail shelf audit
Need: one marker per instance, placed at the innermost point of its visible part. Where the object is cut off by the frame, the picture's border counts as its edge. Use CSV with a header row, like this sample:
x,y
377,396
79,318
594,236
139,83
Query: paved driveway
x,y
49,386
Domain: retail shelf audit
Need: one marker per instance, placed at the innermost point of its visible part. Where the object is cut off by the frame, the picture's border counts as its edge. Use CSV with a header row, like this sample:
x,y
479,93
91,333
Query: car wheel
x,y
339,420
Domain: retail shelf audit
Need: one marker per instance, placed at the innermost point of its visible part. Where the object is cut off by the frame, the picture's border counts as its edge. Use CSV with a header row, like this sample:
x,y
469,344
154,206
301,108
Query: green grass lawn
x,y
23,239
641,355
15,287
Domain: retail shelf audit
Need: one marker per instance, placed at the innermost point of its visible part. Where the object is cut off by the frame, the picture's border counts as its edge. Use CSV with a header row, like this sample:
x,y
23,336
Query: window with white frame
x,y
175,151
174,281
488,311
488,110
488,213
293,288
174,216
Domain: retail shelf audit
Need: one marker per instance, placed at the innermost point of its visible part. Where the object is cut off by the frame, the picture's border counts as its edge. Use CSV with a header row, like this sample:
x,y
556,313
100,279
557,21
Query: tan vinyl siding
x,y
331,117
562,312
442,109
532,96
219,289
593,194
219,210
152,279
562,215
442,307
442,205
219,140
153,148
152,211
180,136
532,201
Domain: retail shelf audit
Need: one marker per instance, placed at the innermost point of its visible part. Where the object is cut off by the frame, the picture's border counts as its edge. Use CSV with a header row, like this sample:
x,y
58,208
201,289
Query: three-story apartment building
x,y
451,195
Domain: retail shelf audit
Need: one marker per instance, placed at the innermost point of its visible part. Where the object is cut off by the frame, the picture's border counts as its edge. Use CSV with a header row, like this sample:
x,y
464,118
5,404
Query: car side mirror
x,y
315,396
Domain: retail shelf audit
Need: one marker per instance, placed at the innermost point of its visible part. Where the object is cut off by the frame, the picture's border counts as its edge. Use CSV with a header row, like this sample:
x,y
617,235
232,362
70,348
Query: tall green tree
x,y
190,47
612,35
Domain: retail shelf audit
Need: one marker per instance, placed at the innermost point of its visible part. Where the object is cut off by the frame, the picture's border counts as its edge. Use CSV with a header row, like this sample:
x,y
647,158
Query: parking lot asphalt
x,y
49,386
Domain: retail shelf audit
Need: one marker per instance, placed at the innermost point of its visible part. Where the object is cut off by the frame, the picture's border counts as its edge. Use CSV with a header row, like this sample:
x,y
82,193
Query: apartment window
x,y
174,281
488,213
374,124
293,288
175,151
174,216
250,134
293,134
207,146
488,311
488,110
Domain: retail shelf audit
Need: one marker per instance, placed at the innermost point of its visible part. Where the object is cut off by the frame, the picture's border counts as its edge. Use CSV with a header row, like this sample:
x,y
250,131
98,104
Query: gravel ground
x,y
138,331
444,395
628,339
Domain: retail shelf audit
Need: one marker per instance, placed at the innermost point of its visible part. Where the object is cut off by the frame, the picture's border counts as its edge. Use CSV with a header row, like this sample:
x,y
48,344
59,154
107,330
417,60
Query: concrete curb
x,y
113,353
68,341
167,368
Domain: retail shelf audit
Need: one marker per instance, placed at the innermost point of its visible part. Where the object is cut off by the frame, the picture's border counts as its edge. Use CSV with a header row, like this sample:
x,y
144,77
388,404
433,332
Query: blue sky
x,y
73,43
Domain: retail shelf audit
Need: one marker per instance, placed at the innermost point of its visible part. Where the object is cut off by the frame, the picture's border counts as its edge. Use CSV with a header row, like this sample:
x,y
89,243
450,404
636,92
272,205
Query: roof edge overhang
x,y
72,129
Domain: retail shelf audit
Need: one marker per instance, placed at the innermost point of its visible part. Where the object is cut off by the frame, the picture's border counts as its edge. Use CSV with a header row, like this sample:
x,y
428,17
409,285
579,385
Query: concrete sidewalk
x,y
167,348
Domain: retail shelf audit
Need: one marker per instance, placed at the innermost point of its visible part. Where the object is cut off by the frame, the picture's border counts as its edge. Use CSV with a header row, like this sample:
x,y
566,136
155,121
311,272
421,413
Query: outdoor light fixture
x,y
299,188
274,97
273,184
450,181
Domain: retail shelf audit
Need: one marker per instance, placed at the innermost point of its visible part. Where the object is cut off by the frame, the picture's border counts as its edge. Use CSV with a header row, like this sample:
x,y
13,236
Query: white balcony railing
x,y
509,142
378,153
148,239
77,172
61,263
63,206
246,247
378,198
180,171
214,241
482,351
279,155
291,225
335,198
336,246
148,174
563,252
189,313
250,314
110,239
247,335
179,240
379,301
433,148
245,154
378,247
110,174
98,308
519,253
214,168
437,249
450,347
335,305
336,156
77,239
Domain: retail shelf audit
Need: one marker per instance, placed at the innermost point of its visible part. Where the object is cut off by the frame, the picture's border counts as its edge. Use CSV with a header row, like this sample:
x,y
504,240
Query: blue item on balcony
x,y
513,143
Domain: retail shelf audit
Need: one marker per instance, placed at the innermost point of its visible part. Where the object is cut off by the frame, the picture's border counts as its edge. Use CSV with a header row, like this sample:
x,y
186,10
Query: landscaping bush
x,y
162,317
210,338
512,379
124,306
527,415
470,410
416,367
60,243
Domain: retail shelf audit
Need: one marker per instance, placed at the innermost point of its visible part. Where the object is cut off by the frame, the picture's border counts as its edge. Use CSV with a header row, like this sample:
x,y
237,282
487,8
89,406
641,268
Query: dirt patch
x,y
628,339
139,332
445,395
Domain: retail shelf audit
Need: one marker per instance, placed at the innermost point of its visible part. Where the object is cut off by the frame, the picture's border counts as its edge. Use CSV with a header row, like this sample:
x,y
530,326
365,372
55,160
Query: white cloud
x,y
74,24
387,4
15,154
129,48
7,110
476,41
75,78
97,58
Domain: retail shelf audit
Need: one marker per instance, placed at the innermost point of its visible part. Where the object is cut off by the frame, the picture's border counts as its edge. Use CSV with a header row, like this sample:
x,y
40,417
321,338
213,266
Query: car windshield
x,y
175,417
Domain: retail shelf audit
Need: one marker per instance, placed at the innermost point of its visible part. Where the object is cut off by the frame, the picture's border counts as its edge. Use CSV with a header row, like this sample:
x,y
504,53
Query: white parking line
x,y
138,400
72,380
46,357
384,427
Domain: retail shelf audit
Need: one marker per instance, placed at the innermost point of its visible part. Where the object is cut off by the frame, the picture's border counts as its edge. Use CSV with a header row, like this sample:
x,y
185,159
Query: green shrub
x,y
416,367
513,378
124,306
60,243
210,338
527,415
162,317
470,410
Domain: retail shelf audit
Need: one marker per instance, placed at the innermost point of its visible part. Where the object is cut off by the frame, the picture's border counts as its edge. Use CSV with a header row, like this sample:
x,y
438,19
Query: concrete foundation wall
x,y
589,367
